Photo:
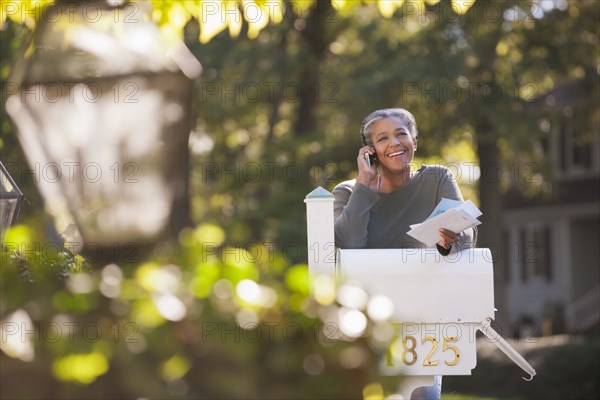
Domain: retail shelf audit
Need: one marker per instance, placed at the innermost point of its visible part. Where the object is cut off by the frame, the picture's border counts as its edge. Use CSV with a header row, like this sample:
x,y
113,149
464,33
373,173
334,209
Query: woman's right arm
x,y
352,207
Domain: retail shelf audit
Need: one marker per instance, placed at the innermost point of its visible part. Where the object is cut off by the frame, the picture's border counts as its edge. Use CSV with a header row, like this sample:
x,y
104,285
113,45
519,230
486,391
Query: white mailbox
x,y
439,302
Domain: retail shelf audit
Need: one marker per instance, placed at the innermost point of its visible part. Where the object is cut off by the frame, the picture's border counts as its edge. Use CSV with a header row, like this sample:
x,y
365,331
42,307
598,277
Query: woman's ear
x,y
415,143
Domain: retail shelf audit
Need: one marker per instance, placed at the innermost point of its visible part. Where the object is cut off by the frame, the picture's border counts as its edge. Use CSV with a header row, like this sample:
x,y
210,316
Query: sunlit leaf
x,y
80,368
206,274
373,391
388,7
324,289
25,12
296,279
209,236
175,368
148,276
302,6
461,6
238,265
296,302
172,17
68,302
213,19
344,8
19,237
145,314
234,18
502,49
256,16
178,15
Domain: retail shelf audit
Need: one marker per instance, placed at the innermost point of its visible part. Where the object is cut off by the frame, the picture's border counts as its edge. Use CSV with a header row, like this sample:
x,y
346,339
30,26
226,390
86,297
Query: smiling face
x,y
394,145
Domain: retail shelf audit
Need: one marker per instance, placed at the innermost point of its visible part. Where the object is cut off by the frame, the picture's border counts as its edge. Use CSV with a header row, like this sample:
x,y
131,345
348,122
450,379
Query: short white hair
x,y
404,115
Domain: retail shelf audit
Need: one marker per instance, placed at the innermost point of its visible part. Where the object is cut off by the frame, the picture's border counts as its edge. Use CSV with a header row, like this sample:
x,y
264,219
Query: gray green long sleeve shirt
x,y
366,219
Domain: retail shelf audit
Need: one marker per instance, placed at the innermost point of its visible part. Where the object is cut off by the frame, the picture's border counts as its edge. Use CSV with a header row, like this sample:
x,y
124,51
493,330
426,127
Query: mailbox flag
x,y
508,350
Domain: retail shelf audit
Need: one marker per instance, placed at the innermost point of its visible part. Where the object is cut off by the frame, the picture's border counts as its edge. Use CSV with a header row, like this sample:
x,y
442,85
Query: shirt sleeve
x,y
351,208
449,189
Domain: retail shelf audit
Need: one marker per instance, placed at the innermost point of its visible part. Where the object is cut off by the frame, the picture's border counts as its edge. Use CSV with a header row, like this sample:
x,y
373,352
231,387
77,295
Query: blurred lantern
x,y
102,103
11,200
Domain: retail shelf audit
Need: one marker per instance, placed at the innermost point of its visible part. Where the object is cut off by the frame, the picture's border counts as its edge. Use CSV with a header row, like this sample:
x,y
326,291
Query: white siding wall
x,y
530,297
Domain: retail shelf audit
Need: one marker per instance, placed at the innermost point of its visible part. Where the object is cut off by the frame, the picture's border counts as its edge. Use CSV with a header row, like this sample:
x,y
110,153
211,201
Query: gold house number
x,y
409,353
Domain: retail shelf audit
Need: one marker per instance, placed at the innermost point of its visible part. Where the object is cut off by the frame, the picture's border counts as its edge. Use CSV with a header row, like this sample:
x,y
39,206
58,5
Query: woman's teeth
x,y
396,154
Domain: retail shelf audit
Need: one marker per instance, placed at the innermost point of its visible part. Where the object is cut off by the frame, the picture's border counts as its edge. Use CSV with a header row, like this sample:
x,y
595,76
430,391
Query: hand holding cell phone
x,y
371,159
366,162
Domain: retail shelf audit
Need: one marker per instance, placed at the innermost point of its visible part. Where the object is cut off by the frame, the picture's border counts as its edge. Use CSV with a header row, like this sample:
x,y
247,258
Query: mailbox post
x,y
439,302
320,234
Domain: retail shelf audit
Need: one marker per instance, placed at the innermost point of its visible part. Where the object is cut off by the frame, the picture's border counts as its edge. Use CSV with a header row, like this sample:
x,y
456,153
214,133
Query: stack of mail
x,y
453,215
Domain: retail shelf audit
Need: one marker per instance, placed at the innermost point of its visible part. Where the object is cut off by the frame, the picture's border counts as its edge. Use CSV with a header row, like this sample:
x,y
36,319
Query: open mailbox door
x,y
440,302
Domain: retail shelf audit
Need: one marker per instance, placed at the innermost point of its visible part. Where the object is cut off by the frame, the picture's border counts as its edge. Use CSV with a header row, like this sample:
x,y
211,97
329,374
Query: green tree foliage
x,y
215,16
189,321
460,74
279,106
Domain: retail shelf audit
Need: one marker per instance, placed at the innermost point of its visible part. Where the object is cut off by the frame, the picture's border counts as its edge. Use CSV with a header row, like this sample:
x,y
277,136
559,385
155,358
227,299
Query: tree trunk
x,y
490,231
316,43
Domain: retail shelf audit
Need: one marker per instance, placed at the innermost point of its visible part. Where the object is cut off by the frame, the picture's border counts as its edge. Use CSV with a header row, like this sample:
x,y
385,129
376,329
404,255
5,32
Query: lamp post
x,y
103,107
11,200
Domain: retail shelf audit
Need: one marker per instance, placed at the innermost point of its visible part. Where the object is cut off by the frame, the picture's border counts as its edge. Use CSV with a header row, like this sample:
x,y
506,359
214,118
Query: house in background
x,y
552,246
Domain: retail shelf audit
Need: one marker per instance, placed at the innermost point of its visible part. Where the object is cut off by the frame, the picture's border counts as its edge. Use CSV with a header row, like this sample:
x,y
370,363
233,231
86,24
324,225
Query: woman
x,y
376,209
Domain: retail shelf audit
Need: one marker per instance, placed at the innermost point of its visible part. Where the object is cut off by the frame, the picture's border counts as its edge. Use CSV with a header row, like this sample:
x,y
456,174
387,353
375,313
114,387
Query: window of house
x,y
523,255
542,262
537,252
511,247
582,151
577,149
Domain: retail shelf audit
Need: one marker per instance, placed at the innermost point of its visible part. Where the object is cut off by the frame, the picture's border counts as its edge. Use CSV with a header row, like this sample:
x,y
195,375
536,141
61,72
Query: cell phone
x,y
371,158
